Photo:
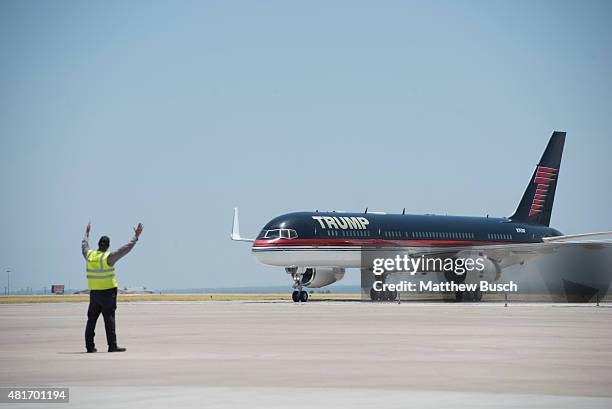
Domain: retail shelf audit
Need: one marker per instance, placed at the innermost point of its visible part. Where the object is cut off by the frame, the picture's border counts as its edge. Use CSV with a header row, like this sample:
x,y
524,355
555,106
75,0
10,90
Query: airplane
x,y
316,248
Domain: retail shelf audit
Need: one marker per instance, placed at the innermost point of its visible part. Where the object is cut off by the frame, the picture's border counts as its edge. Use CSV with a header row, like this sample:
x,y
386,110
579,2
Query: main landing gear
x,y
383,295
386,295
468,296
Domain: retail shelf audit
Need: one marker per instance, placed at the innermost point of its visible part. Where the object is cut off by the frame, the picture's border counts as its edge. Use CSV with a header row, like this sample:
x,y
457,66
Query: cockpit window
x,y
280,233
272,234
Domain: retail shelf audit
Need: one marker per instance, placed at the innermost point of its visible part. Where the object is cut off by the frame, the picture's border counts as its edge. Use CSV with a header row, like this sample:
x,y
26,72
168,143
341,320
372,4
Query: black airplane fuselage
x,y
375,229
338,239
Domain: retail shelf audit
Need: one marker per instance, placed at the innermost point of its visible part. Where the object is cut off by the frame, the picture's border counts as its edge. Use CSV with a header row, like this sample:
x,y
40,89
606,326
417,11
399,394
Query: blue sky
x,y
172,113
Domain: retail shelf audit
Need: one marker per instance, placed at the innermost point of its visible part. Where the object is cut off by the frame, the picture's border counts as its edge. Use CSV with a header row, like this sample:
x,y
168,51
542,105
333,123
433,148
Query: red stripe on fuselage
x,y
373,242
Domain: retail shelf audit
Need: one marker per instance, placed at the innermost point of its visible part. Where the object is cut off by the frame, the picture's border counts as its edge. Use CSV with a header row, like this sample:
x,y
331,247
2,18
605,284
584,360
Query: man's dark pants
x,y
105,302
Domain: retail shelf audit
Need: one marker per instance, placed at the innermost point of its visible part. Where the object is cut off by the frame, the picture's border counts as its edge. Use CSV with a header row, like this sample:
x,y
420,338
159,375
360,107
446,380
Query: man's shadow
x,y
73,353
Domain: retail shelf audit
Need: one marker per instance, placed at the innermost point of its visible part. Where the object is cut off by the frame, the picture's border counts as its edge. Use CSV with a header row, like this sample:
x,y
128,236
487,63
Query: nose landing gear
x,y
299,296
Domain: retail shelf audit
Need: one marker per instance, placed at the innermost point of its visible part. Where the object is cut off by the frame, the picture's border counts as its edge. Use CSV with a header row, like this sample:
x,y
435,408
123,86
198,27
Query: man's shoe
x,y
116,349
91,350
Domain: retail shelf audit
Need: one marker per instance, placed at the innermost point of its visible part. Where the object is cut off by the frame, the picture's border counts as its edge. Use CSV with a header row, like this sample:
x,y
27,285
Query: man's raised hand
x,y
138,230
88,228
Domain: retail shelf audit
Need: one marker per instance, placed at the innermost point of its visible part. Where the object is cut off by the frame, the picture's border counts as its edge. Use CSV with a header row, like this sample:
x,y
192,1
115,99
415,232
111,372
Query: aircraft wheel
x,y
304,296
295,296
374,295
392,295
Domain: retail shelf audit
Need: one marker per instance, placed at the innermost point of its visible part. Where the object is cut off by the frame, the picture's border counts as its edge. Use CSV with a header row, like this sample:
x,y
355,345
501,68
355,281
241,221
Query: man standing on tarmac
x,y
102,286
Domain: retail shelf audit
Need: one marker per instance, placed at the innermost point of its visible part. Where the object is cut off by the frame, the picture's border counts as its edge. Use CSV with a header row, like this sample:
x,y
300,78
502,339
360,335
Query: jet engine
x,y
317,277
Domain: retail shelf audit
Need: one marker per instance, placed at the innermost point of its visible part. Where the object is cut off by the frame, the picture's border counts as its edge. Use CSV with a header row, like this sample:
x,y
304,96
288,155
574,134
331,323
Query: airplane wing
x,y
511,254
573,237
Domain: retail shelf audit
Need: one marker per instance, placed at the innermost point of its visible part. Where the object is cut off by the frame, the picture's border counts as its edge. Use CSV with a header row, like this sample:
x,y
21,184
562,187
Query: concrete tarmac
x,y
325,354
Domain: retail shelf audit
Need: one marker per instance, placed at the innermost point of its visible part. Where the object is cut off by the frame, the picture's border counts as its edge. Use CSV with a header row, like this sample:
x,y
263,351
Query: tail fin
x,y
537,202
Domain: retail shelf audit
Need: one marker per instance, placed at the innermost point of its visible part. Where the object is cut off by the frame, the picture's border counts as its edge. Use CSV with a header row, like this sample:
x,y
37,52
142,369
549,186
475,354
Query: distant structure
x,y
126,290
57,289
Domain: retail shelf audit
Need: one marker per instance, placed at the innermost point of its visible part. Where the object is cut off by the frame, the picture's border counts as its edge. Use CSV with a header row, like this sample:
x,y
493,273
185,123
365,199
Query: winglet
x,y
236,228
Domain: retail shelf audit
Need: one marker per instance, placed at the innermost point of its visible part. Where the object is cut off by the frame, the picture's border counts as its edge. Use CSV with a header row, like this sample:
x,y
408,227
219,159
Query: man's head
x,y
103,243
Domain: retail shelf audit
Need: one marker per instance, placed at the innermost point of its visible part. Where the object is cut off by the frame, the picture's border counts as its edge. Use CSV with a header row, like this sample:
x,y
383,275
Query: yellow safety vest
x,y
100,276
